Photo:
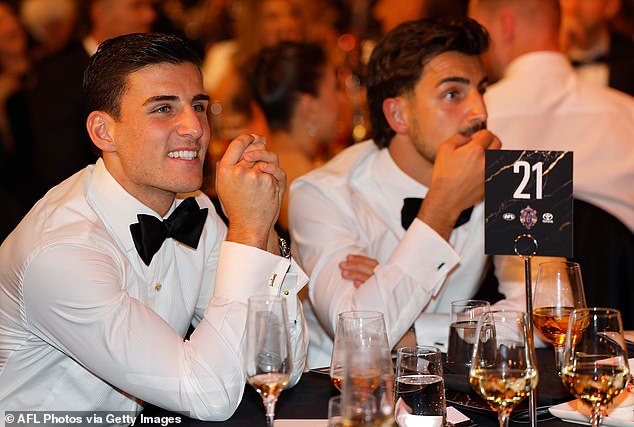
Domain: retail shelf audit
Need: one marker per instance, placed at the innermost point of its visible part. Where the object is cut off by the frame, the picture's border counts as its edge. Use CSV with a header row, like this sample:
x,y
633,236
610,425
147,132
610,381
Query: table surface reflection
x,y
309,400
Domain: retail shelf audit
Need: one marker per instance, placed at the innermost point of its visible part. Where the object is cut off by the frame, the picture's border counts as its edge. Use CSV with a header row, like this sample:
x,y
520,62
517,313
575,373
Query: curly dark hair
x,y
397,61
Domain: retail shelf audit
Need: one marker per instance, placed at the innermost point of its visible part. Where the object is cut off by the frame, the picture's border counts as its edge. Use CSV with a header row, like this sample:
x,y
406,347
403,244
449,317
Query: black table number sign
x,y
528,194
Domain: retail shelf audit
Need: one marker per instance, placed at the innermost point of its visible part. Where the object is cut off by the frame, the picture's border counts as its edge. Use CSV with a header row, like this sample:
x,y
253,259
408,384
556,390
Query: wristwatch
x,y
285,248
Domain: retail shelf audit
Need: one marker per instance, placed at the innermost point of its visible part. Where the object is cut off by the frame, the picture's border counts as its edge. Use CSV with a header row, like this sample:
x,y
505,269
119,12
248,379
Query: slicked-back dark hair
x,y
281,74
397,62
105,79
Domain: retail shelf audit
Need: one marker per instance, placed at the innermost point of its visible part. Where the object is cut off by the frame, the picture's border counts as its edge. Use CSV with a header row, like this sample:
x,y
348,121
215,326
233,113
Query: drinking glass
x,y
419,387
368,370
362,407
463,321
503,369
268,361
558,291
355,329
595,367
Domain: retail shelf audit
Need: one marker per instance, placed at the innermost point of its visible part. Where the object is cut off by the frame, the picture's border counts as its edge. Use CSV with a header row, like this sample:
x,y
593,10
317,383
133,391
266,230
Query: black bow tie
x,y
601,59
411,206
185,224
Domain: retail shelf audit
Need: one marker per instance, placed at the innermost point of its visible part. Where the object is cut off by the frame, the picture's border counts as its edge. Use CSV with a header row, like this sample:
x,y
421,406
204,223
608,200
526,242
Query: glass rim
x,y
259,298
360,314
568,263
468,301
413,349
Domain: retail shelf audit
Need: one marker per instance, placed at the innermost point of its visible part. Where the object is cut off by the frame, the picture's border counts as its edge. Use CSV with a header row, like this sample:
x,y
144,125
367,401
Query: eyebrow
x,y
171,98
461,80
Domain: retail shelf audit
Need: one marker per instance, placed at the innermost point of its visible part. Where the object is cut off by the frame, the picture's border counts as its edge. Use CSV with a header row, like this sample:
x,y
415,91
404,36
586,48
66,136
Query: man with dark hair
x,y
97,289
361,211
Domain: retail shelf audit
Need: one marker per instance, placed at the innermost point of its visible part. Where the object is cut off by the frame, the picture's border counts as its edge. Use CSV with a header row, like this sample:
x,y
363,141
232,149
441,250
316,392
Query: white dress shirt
x,y
541,104
85,325
352,205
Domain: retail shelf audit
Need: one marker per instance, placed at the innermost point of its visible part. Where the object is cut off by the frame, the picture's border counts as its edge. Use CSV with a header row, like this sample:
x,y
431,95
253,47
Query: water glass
x,y
360,409
355,329
419,387
462,329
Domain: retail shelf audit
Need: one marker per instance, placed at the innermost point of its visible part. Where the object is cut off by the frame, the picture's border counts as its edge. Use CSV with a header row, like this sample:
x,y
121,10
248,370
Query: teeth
x,y
183,154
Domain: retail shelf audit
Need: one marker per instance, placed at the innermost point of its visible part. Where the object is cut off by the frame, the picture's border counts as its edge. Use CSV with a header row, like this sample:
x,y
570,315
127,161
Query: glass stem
x,y
503,417
597,415
559,357
269,404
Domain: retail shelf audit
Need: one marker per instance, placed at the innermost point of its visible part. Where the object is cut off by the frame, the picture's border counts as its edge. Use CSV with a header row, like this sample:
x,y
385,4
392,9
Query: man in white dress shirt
x,y
425,91
93,308
539,103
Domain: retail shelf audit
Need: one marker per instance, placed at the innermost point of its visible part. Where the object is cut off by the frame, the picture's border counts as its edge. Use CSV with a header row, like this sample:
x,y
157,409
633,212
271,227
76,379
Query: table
x,y
309,399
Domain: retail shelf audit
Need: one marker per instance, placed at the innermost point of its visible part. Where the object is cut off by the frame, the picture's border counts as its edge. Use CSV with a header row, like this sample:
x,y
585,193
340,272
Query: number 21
x,y
519,191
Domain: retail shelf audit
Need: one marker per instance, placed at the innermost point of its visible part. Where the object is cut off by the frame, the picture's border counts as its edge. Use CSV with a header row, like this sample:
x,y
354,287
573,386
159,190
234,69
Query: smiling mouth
x,y
183,154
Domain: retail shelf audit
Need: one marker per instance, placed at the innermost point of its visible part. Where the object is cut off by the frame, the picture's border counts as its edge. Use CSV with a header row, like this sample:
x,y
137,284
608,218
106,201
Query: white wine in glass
x,y
558,291
503,370
595,364
268,356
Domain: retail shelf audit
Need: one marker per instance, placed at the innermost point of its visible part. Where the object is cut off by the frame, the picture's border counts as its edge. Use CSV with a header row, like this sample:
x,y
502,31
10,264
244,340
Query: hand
x,y
250,185
457,180
358,268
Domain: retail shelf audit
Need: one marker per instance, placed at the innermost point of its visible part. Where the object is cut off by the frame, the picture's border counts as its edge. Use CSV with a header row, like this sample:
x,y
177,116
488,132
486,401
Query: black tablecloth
x,y
309,400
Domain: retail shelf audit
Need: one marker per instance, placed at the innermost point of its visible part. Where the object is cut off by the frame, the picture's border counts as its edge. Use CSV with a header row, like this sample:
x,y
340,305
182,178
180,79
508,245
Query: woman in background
x,y
259,24
294,84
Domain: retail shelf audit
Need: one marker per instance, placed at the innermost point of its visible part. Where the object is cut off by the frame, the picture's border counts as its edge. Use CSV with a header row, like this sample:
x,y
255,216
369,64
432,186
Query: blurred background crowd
x,y
306,95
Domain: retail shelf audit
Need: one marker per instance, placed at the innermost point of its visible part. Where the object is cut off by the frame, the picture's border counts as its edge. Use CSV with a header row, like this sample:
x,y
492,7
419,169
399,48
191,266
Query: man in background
x,y
58,136
539,103
598,53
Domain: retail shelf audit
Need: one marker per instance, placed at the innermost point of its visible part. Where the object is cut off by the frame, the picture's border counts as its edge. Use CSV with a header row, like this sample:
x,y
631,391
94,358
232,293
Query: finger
x,y
355,275
356,271
362,259
455,141
274,170
486,139
261,156
236,149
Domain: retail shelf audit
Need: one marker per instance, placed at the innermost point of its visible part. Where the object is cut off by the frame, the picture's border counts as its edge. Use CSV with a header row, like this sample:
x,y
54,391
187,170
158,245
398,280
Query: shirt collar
x,y
393,183
115,206
538,63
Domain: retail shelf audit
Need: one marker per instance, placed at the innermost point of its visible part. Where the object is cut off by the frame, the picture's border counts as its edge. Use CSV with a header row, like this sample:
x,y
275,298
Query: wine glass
x,y
595,366
355,329
268,362
503,369
558,291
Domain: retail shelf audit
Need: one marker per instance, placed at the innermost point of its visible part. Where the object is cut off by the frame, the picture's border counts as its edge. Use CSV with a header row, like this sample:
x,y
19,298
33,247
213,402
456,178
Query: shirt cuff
x,y
422,250
245,271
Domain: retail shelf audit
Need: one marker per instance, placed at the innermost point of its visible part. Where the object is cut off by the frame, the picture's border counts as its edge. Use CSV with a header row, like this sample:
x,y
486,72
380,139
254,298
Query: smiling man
x,y
356,223
101,280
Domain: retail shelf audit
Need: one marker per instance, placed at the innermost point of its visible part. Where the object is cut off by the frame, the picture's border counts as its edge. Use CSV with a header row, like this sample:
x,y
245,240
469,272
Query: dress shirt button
x,y
285,292
157,286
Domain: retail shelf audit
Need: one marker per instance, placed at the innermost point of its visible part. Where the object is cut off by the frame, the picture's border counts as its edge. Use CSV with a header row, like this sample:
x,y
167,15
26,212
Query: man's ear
x,y
507,21
394,110
100,126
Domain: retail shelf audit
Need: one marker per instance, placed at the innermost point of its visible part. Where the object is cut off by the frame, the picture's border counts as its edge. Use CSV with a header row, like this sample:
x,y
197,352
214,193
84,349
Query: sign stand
x,y
528,199
525,247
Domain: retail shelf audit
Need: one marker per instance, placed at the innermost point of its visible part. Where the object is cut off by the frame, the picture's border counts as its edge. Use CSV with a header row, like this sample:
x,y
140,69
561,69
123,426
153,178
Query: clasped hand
x,y
250,185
